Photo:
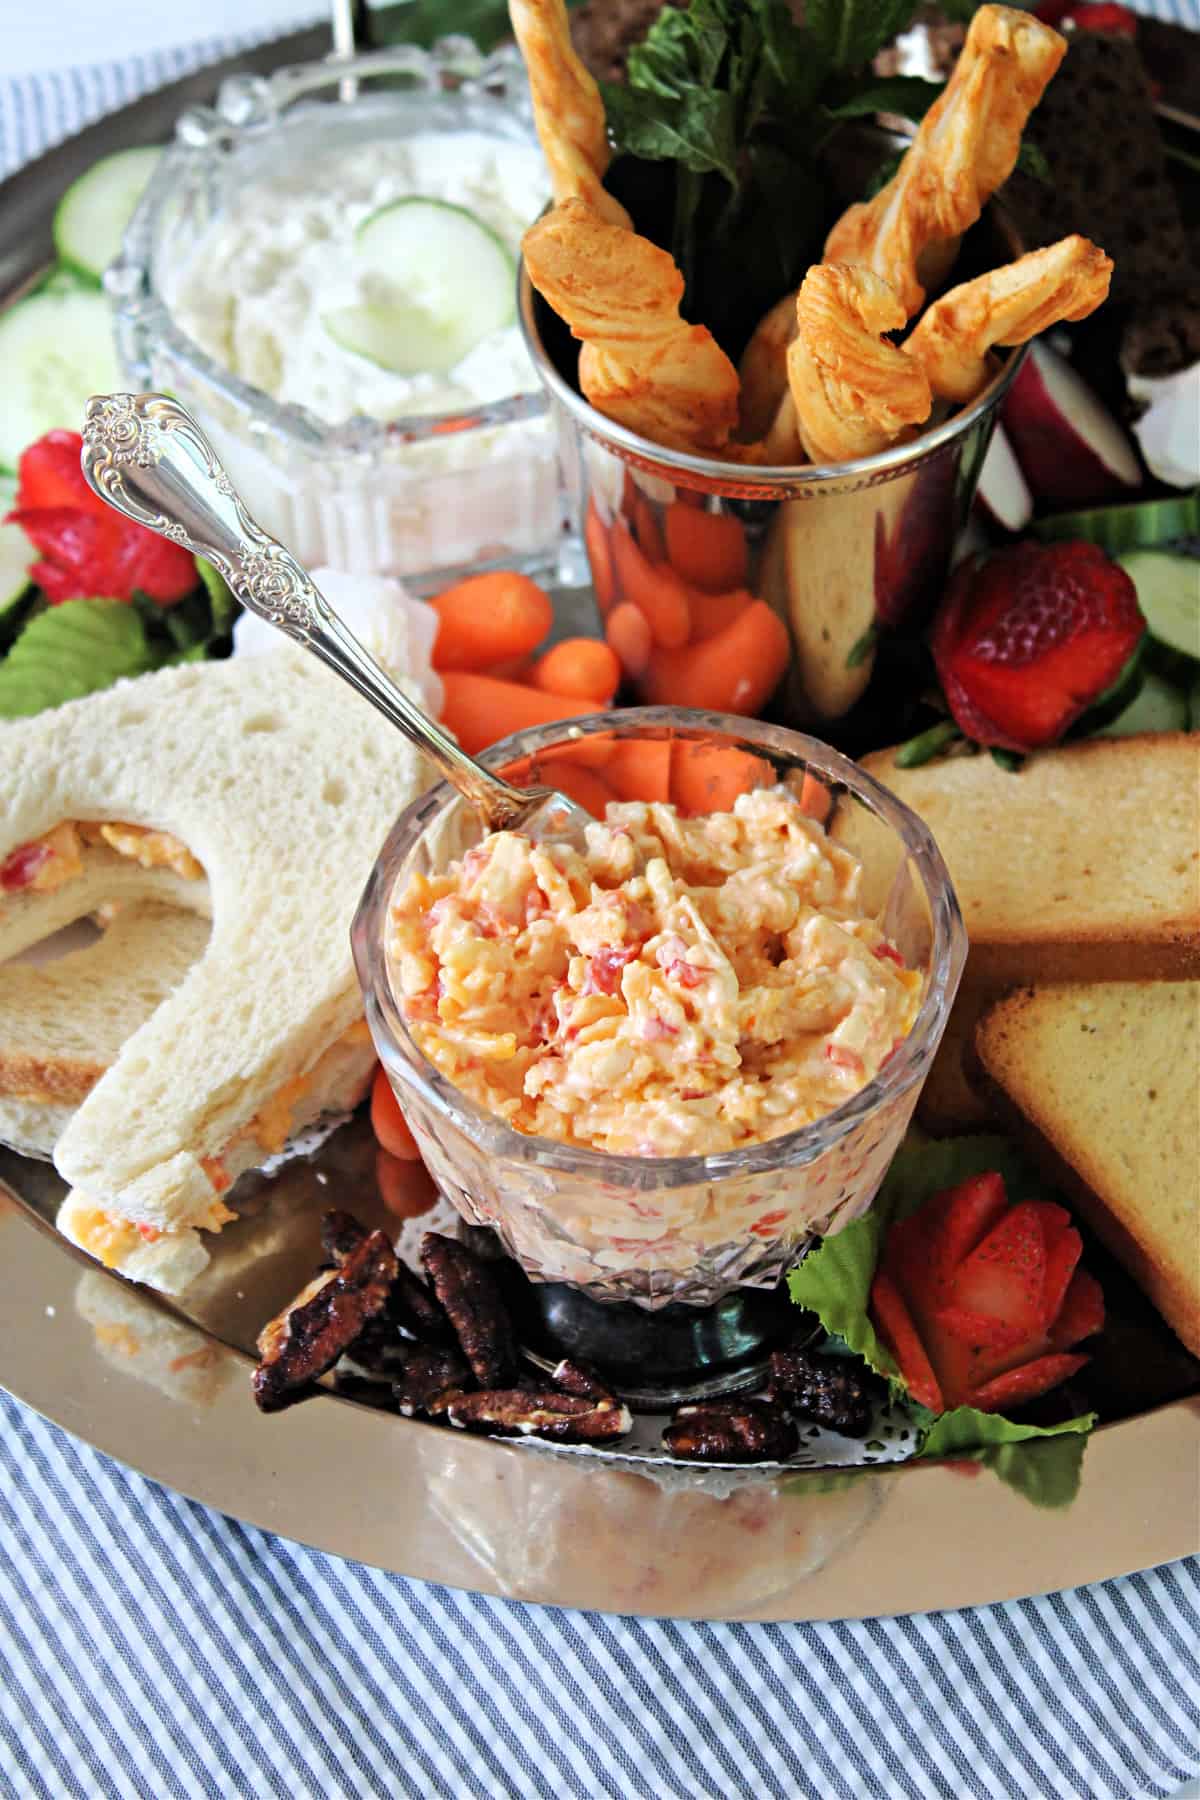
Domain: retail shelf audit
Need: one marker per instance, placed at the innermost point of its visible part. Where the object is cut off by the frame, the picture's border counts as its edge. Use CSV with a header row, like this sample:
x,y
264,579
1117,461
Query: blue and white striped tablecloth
x,y
152,1648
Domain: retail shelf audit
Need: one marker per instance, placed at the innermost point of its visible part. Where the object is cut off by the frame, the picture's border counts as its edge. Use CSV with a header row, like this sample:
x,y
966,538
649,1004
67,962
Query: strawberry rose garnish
x,y
89,551
981,1302
1027,640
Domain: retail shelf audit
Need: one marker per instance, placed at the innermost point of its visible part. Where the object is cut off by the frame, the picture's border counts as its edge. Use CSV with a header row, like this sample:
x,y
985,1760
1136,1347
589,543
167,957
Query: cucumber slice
x,y
56,349
90,219
16,554
1145,524
437,281
1157,706
1168,589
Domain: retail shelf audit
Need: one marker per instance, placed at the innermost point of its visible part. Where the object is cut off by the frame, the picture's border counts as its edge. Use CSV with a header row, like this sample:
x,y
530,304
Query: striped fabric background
x,y
156,1650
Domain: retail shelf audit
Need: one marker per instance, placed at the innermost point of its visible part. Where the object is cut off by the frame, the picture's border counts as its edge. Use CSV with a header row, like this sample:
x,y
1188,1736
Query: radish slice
x,y
1169,431
1002,492
1071,450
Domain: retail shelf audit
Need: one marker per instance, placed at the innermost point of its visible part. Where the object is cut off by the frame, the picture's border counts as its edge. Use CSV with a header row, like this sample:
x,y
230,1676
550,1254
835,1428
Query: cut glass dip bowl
x,y
672,1229
426,496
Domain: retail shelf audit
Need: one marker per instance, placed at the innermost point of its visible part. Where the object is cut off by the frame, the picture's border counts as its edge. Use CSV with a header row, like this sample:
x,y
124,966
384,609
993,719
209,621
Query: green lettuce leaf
x,y
70,650
834,1281
1042,1463
222,605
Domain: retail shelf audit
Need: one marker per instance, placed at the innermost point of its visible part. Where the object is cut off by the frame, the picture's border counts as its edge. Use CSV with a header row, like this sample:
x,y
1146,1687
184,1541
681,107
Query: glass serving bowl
x,y
683,1229
423,497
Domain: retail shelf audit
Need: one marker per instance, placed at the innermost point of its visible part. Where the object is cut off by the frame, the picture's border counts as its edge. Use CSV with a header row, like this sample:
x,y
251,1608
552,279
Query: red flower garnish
x,y
980,1301
88,551
1026,641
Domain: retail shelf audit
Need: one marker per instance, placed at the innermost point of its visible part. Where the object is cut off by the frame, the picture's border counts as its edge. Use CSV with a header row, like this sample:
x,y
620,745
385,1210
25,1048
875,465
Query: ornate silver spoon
x,y
147,457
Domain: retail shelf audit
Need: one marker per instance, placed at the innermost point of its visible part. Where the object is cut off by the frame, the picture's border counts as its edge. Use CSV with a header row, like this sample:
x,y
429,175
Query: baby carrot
x,y
737,671
640,769
628,635
581,785
592,752
815,798
655,591
648,530
707,549
711,613
604,580
388,1122
489,619
578,669
480,710
405,1187
707,778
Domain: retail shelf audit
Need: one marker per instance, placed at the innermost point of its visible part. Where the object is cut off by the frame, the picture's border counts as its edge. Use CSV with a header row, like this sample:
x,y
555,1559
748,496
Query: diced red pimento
x,y
842,1058
687,974
604,969
21,866
656,1030
888,953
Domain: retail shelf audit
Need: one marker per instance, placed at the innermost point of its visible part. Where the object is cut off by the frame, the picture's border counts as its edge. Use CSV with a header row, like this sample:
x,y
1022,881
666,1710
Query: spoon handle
x,y
147,457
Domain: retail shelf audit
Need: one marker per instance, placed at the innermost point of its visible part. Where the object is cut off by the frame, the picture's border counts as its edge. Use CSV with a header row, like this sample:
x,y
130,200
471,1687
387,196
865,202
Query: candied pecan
x,y
363,1389
540,1412
412,1305
467,1290
379,1346
341,1234
830,1390
323,1320
733,1430
580,1378
428,1375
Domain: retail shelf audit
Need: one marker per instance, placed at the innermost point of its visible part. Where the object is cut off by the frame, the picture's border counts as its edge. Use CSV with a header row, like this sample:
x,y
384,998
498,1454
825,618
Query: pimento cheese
x,y
682,987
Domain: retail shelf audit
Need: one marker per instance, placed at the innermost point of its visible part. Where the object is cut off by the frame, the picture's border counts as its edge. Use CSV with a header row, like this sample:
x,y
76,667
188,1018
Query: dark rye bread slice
x,y
1096,128
605,31
1102,1082
1082,866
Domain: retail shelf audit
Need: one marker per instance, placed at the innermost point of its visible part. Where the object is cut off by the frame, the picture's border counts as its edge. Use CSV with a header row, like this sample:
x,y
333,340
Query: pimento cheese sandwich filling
x,y
681,987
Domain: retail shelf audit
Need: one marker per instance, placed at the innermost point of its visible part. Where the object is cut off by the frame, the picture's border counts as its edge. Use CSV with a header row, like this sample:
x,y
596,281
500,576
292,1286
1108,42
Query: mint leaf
x,y
1032,161
70,650
695,131
849,32
681,50
909,96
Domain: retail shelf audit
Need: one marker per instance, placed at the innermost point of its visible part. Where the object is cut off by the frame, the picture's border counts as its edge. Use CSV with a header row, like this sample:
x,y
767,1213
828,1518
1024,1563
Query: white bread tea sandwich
x,y
63,1022
281,784
1103,1080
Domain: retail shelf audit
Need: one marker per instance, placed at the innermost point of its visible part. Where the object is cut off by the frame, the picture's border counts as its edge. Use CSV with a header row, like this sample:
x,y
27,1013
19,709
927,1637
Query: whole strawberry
x,y
1027,640
88,551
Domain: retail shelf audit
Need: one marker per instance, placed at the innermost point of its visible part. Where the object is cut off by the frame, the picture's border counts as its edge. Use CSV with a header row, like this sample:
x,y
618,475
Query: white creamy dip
x,y
282,255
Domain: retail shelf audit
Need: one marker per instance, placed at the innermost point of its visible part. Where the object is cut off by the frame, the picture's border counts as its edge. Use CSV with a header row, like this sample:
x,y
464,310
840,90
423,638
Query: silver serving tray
x,y
168,1391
